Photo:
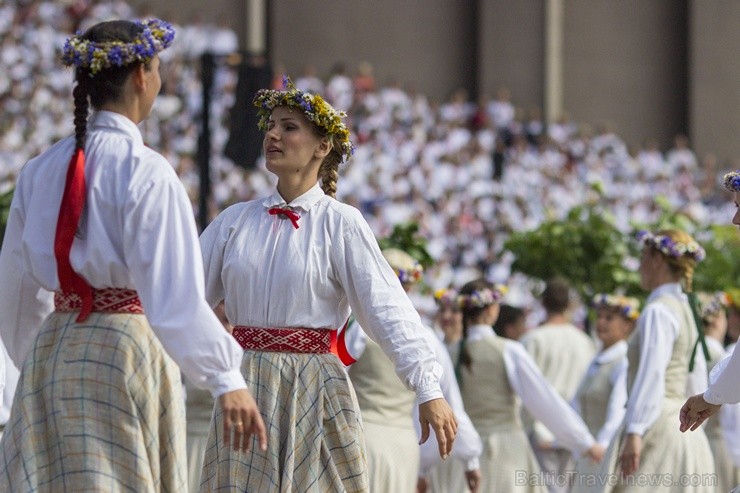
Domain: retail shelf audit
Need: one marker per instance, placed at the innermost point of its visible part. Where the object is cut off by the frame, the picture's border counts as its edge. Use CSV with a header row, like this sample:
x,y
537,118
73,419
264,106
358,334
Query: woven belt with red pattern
x,y
285,340
106,300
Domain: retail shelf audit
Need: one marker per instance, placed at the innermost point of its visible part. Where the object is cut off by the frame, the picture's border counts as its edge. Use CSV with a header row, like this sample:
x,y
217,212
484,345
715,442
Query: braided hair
x,y
106,85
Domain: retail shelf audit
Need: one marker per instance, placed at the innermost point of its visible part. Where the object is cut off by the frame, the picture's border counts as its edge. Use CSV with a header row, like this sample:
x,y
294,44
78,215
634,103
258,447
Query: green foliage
x,y
585,248
404,237
589,251
5,200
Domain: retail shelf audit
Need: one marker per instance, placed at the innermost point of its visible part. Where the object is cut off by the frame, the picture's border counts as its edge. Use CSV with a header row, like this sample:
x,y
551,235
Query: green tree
x,y
585,247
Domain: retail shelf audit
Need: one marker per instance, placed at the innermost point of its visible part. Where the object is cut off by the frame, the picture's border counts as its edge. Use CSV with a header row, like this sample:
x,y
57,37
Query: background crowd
x,y
469,172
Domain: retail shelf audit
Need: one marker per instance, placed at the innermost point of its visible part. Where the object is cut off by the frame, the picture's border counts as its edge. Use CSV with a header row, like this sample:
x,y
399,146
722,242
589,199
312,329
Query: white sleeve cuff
x,y
472,464
713,397
635,429
429,393
226,382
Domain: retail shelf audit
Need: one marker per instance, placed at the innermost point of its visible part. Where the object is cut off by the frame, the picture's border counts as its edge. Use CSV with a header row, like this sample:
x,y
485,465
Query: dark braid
x,y
81,106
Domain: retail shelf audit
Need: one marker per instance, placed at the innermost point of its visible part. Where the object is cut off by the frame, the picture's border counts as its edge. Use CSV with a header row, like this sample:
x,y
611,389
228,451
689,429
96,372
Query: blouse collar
x,y
303,202
116,121
615,351
673,288
478,332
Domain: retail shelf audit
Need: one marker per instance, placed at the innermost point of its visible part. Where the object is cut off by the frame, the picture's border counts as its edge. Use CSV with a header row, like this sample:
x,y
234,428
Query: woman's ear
x,y
138,77
323,149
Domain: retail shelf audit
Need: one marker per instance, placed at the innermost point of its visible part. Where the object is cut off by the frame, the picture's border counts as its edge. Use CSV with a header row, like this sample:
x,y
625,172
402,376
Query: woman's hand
x,y
438,414
596,453
695,412
240,414
630,456
472,478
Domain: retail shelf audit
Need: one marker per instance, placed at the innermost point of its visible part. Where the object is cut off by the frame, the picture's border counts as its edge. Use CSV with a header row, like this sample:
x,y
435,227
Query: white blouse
x,y
657,329
538,396
618,397
270,274
138,232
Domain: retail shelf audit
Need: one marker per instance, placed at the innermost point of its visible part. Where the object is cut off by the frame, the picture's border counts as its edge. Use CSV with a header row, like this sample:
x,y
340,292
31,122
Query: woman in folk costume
x,y
495,374
714,319
289,268
661,354
602,393
452,476
395,460
100,291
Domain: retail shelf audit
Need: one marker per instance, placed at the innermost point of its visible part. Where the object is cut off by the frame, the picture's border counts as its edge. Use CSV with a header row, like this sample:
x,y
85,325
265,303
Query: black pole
x,y
207,65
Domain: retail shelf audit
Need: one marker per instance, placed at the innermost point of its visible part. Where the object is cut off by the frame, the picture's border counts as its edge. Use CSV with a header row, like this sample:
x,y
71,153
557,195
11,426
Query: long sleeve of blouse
x,y
543,401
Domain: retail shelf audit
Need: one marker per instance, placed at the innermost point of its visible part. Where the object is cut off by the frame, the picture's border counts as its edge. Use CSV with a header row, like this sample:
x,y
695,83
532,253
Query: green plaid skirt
x,y
98,407
315,437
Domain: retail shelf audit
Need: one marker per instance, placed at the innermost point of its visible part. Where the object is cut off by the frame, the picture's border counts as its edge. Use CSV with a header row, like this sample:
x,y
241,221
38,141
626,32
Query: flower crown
x,y
671,248
628,307
482,298
710,304
156,35
732,181
409,276
316,109
446,297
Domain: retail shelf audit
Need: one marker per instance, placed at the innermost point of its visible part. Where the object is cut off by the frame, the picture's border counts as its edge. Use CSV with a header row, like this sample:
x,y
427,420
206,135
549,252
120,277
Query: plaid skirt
x,y
315,436
98,407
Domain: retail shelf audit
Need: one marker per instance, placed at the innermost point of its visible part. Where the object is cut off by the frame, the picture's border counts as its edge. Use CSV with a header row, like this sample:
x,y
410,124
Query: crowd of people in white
x,y
469,173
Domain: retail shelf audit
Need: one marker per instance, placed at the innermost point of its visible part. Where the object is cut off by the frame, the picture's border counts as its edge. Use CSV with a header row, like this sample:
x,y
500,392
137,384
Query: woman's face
x,y
611,326
291,144
449,319
736,217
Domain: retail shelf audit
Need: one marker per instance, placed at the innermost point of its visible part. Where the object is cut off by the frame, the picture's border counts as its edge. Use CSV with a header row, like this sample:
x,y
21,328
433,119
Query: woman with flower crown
x,y
289,268
496,374
103,288
602,393
661,354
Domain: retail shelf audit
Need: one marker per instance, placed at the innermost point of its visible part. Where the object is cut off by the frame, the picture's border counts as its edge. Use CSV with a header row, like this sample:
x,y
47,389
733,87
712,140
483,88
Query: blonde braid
x,y
329,173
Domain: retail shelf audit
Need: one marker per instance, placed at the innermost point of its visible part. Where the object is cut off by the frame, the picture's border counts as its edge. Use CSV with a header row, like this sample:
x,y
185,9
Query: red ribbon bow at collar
x,y
285,213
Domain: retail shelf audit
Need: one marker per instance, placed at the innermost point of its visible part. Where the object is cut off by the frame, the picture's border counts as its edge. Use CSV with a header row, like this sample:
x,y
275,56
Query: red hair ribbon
x,y
290,214
70,211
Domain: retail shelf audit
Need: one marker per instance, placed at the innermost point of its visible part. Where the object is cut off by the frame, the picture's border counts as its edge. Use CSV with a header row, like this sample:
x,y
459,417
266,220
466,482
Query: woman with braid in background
x,y
102,284
662,353
289,268
495,374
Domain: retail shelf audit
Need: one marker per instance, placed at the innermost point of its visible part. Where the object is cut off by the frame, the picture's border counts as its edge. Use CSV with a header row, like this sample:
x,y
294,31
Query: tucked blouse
x,y
270,274
137,232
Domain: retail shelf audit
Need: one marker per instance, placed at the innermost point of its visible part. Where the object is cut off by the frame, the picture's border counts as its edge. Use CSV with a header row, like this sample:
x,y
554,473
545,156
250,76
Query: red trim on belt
x,y
284,339
106,300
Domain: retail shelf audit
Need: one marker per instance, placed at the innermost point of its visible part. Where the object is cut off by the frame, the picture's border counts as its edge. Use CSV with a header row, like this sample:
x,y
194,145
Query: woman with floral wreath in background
x,y
102,283
602,394
662,352
289,268
494,372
